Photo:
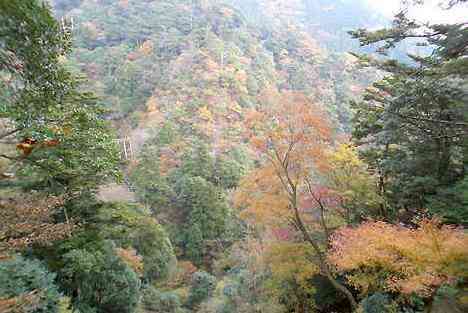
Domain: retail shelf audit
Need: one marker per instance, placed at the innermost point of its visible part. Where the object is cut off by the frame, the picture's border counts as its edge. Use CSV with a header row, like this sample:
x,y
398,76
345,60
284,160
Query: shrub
x,y
203,285
162,302
378,303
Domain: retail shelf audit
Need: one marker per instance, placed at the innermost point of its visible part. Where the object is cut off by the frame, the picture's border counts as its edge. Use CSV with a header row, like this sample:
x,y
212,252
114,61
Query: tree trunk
x,y
322,262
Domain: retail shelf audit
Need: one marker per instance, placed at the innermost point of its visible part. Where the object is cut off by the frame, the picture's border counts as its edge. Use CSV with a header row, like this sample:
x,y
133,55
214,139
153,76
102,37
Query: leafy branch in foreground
x,y
63,143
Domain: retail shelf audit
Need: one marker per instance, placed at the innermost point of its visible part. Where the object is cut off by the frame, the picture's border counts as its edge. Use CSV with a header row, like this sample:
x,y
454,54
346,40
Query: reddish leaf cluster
x,y
30,220
29,144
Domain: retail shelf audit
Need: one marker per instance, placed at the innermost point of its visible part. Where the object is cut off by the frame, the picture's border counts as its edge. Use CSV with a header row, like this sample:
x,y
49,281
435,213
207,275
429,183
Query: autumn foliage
x,y
30,220
262,197
290,261
378,256
288,128
131,258
350,183
289,135
27,145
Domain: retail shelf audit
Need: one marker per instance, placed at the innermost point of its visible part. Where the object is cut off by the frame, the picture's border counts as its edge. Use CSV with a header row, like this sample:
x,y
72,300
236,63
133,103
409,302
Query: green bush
x,y
20,276
154,300
203,285
378,303
100,282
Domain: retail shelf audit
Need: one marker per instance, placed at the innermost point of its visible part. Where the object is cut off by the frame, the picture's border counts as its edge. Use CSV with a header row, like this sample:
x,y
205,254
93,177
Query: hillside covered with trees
x,y
232,156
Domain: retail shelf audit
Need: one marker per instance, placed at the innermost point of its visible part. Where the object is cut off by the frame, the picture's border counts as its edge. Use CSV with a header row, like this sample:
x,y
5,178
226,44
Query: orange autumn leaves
x,y
130,257
262,197
379,256
28,144
289,127
289,136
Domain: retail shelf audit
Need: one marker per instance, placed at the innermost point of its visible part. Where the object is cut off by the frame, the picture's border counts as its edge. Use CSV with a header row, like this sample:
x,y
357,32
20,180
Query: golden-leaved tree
x,y
351,187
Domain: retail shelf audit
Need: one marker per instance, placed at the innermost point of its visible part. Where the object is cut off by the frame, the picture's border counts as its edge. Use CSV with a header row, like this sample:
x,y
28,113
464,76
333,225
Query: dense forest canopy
x,y
232,156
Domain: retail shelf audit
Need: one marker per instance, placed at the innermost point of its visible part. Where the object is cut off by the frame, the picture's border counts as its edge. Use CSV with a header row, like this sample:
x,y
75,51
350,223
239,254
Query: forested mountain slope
x,y
136,49
180,77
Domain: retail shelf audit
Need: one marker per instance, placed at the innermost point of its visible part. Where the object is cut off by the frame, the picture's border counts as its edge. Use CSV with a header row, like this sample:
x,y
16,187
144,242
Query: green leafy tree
x,y
191,193
452,202
207,209
100,281
153,188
